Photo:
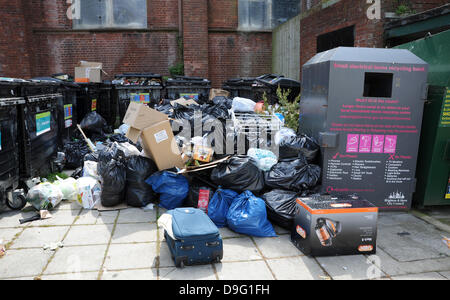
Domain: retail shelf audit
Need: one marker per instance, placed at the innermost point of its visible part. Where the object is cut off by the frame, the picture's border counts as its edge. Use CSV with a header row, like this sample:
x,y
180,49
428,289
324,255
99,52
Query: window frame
x,y
268,16
109,22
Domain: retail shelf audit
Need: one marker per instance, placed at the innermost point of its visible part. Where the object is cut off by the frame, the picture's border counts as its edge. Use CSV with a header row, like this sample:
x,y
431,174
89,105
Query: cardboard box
x,y
88,72
155,132
329,225
218,92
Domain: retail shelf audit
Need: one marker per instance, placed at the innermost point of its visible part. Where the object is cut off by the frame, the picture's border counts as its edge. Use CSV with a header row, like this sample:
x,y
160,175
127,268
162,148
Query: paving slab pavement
x,y
128,244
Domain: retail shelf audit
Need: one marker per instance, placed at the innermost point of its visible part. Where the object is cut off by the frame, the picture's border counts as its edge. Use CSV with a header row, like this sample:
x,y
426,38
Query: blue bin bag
x,y
172,188
219,206
248,215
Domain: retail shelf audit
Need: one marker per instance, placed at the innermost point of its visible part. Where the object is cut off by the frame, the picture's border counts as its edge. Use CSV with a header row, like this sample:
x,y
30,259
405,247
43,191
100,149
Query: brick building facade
x,y
346,22
38,39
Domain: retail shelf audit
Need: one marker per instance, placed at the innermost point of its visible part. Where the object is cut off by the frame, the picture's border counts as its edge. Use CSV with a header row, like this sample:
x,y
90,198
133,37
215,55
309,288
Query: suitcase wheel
x,y
179,263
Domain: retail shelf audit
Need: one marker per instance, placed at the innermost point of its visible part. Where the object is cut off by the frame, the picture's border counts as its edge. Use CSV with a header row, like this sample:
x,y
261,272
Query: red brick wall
x,y
41,41
14,55
368,33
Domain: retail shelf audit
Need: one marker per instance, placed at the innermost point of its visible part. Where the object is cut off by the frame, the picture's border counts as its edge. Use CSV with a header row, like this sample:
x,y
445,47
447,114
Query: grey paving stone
x,y
88,235
77,259
352,267
11,219
280,246
296,268
147,274
62,217
94,217
394,218
165,257
72,276
8,234
240,249
255,270
422,276
204,272
134,233
37,237
445,274
23,263
131,256
394,267
68,205
228,233
412,240
136,215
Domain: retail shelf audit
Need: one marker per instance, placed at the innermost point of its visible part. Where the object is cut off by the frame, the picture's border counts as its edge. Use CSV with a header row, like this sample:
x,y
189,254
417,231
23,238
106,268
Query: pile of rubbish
x,y
152,160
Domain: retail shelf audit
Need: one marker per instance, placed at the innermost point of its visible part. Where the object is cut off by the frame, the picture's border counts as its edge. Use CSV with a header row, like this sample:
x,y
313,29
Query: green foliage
x,y
290,110
177,69
52,177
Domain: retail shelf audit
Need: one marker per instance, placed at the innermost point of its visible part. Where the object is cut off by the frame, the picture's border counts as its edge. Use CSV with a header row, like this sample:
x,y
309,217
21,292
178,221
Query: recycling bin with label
x,y
195,88
365,106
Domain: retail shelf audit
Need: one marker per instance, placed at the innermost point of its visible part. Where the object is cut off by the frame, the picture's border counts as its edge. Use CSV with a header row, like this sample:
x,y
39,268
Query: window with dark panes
x,y
97,14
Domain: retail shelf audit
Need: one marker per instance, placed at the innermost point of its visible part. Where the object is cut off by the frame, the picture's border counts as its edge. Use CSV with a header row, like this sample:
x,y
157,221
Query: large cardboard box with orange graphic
x,y
327,225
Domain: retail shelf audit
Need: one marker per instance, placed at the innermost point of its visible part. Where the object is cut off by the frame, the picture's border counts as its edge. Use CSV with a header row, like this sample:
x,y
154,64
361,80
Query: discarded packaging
x,y
89,192
44,196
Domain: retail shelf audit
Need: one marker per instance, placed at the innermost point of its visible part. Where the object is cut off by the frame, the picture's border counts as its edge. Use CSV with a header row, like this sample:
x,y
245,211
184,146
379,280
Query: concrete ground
x,y
128,244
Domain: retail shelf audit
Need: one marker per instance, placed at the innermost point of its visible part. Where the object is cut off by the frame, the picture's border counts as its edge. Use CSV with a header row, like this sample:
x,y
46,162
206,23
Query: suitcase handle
x,y
212,244
187,247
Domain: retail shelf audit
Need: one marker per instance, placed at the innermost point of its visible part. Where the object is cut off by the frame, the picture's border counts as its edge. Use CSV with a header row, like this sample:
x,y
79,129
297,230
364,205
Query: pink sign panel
x,y
390,144
365,143
352,143
378,144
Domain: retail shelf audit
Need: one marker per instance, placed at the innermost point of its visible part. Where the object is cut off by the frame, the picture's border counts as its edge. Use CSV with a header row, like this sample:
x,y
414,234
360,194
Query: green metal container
x,y
433,166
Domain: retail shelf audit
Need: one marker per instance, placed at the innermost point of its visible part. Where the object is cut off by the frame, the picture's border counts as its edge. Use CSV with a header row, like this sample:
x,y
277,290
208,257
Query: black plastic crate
x,y
195,88
87,99
144,88
39,132
9,154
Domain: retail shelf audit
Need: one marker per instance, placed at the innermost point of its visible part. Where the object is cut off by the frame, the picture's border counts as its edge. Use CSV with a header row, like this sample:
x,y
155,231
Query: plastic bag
x,y
90,169
123,129
281,206
247,215
284,134
106,155
239,173
75,152
88,192
243,105
173,188
128,149
199,197
44,196
265,158
293,174
224,101
138,193
219,206
91,157
93,123
113,179
294,146
68,188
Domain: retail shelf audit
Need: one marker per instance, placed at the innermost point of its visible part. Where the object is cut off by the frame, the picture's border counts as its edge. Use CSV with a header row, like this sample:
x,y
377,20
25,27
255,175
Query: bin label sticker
x,y
141,97
94,105
161,136
445,114
42,123
0,140
352,143
447,195
365,143
68,123
390,144
68,111
378,144
192,96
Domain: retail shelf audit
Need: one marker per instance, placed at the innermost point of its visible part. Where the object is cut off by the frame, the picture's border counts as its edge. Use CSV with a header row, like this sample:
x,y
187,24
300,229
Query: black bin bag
x,y
93,123
280,206
113,180
138,193
240,173
295,146
293,174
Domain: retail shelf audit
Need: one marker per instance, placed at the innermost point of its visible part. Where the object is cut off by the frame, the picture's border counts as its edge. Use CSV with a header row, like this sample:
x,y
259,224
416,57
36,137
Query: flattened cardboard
x,y
88,72
218,92
100,207
184,102
140,116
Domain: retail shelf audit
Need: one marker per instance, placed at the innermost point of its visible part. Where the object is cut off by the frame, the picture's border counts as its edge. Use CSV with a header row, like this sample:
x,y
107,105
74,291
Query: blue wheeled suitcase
x,y
197,238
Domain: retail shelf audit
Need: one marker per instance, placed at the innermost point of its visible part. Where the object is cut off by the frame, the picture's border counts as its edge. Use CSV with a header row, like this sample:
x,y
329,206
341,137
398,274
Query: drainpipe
x,y
180,17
